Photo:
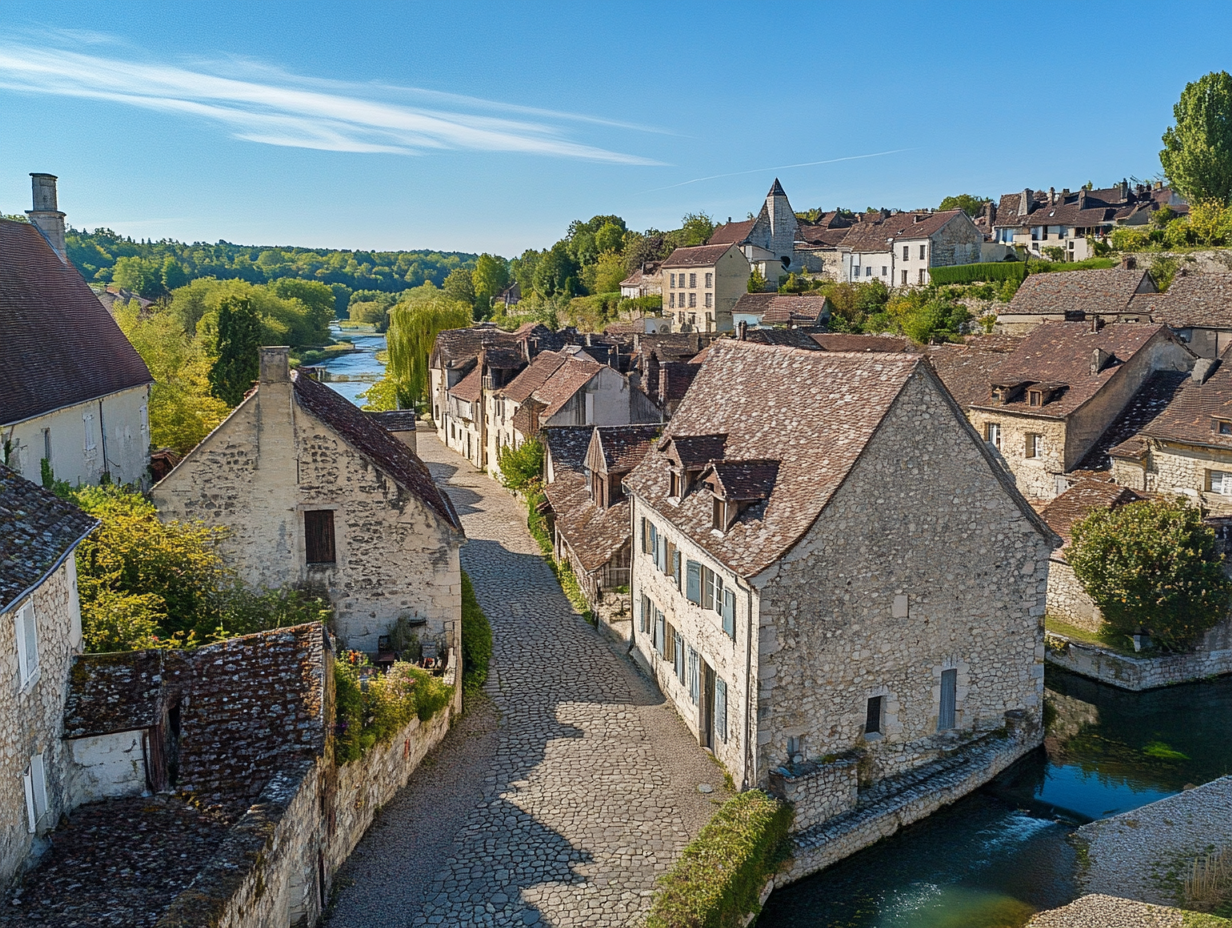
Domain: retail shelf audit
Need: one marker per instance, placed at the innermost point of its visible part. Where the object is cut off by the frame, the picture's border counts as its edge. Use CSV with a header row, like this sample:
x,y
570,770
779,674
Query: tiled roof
x,y
624,446
784,338
1061,353
812,411
675,377
821,236
694,450
37,530
470,388
58,344
731,233
782,308
1151,399
697,256
394,420
841,341
1080,500
533,377
527,416
742,481
454,347
373,442
592,533
1191,414
1106,291
872,236
501,358
564,383
1194,300
568,444
966,370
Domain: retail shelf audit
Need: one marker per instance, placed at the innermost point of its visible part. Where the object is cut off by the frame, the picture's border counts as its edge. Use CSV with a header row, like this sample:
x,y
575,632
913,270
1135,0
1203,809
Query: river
x,y
360,366
994,858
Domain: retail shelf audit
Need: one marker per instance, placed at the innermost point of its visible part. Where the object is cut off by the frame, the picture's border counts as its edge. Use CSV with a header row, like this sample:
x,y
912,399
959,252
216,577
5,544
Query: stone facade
x,y
1172,467
686,306
272,461
32,716
1029,447
1067,600
1212,657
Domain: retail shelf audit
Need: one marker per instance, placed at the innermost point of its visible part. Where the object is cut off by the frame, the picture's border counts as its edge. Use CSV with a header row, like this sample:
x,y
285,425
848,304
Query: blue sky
x,y
488,127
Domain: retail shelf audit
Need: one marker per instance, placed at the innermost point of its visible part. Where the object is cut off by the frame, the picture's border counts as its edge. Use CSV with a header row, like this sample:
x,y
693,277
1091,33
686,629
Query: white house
x,y
900,248
73,391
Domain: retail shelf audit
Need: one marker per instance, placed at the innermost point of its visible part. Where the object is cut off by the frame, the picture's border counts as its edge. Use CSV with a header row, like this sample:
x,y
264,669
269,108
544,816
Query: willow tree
x,y
413,327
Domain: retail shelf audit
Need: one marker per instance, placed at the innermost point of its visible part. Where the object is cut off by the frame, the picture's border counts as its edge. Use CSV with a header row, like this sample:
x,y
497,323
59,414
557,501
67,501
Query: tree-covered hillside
x,y
154,269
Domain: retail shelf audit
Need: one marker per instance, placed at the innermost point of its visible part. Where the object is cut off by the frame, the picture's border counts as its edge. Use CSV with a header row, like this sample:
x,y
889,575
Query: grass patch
x,y
718,879
1102,639
476,641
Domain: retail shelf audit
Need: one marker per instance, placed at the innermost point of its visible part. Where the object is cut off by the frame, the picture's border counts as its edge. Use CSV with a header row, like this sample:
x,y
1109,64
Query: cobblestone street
x,y
565,802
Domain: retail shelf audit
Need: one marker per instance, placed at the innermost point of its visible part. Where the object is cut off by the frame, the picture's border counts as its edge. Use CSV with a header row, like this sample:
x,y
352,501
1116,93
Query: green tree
x,y
141,276
610,238
413,327
1152,565
1197,153
605,275
490,277
756,282
966,202
173,274
459,287
696,228
316,297
556,271
521,465
237,362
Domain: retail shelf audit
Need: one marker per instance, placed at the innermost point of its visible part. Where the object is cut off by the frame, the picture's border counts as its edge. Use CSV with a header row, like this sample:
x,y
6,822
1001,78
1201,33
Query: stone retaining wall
x,y
277,864
890,805
819,791
1135,673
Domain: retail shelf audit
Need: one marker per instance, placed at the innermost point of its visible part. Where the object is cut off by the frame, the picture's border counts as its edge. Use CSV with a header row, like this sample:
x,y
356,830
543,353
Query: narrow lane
x,y
591,787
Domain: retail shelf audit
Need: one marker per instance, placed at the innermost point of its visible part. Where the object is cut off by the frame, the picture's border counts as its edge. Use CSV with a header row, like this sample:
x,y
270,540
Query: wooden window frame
x,y
321,540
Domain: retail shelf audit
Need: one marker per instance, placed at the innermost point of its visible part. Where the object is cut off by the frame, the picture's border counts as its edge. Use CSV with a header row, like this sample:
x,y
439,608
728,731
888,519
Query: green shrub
x,y
970,273
521,465
370,708
1090,264
1126,239
476,640
650,304
535,521
718,879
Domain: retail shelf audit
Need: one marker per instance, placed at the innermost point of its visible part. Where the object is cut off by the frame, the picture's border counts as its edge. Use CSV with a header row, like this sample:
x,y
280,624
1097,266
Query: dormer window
x,y
1036,397
1221,426
677,485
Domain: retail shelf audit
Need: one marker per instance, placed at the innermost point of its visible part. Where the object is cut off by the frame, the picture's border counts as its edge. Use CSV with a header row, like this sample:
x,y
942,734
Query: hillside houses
x,y
898,249
701,285
1106,295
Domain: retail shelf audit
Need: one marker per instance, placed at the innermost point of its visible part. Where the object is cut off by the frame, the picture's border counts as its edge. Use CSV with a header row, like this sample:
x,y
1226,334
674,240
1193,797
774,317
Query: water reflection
x,y
360,366
996,857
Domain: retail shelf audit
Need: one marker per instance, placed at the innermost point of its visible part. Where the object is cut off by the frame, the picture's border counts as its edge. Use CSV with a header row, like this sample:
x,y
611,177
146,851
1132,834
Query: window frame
x,y
26,638
992,434
874,715
314,539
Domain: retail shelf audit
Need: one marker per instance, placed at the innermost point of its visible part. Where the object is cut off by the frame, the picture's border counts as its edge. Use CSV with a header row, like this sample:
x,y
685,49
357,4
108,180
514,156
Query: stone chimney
x,y
1024,202
1099,360
1129,262
46,215
275,367
1052,196
742,331
1203,369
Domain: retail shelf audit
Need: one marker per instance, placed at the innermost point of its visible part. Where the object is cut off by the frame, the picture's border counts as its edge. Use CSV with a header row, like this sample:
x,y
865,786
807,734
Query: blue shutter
x,y
693,592
661,555
654,543
676,566
679,661
645,536
660,632
694,688
729,613
720,709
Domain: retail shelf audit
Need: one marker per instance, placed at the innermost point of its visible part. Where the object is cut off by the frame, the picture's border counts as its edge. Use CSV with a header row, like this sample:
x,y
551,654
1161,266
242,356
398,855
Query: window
x,y
868,271
1225,428
992,434
692,301
720,709
676,566
87,420
145,419
883,270
692,317
872,718
319,536
677,484
47,448
27,642
660,632
729,613
671,301
949,692
923,276
669,640
692,281
906,252
709,280
673,282
1035,445
644,624
678,663
709,300
1220,482
923,251
34,779
694,677
693,582
904,278
708,578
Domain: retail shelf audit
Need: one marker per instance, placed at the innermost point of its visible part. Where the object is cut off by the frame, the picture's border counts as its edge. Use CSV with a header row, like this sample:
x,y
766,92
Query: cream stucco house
x,y
314,493
701,286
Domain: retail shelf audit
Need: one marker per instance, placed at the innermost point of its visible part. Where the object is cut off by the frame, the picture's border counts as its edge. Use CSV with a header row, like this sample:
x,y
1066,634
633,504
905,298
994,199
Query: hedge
x,y
970,273
476,640
718,880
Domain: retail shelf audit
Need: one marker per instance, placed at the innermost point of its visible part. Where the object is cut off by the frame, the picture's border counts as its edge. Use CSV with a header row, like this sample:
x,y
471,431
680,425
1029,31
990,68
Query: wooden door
x,y
705,727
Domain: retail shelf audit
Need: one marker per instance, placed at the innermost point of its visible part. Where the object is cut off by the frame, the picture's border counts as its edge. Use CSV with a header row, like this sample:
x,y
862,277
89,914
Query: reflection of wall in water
x,y
1068,715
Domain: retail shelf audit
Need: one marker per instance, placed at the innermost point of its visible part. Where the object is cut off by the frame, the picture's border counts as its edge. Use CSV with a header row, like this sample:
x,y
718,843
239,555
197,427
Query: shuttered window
x,y
34,780
872,719
694,677
669,641
676,567
720,709
645,536
949,692
27,642
729,613
644,605
708,578
319,536
693,582
1220,482
660,632
679,661
87,421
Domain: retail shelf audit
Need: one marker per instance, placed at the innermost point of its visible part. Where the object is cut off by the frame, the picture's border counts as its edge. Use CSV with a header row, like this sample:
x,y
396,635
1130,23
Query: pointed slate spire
x,y
776,190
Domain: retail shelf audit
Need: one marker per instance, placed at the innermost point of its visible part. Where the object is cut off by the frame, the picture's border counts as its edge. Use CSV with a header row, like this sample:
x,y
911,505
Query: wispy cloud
x,y
780,167
273,107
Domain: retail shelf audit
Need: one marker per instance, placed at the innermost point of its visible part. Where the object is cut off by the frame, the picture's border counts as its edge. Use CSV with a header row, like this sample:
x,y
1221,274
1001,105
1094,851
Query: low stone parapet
x,y
1134,673
818,790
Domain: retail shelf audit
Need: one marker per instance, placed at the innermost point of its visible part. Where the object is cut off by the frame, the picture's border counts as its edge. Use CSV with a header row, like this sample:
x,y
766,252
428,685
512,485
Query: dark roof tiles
x,y
696,256
1107,292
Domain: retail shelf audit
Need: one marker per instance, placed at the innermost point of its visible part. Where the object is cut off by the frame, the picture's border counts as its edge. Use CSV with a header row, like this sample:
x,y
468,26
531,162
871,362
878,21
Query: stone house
x,y
588,508
1186,447
1052,398
40,634
1107,295
764,310
817,249
701,286
1037,219
797,599
313,493
645,281
768,240
1197,307
73,391
899,249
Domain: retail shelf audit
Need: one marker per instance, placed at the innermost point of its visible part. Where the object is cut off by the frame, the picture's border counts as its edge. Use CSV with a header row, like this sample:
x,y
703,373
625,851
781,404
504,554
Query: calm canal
x,y
360,366
998,856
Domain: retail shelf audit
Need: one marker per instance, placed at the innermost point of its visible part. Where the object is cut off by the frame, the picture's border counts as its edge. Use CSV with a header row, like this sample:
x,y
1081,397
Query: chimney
x,y
1099,360
274,365
1203,369
1129,262
1024,202
1052,196
1064,192
742,331
46,215
1082,198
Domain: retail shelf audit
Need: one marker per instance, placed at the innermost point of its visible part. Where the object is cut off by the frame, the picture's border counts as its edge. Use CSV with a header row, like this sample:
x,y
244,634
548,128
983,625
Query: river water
x,y
360,365
994,858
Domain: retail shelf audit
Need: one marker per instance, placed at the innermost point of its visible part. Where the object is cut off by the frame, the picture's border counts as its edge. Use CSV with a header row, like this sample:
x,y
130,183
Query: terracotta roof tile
x,y
783,308
841,341
397,460
1080,500
696,256
564,383
456,347
731,233
624,446
966,370
1106,291
1194,414
1160,389
533,377
742,481
58,344
592,533
470,388
872,236
1195,300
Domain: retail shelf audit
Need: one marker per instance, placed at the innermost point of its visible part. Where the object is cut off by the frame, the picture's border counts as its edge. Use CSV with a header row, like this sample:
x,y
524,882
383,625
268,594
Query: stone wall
x,y
1143,673
820,790
32,718
957,242
1036,477
924,561
1068,601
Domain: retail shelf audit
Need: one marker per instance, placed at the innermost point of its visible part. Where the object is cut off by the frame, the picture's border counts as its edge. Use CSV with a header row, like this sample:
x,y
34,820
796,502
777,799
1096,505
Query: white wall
x,y
77,441
107,767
